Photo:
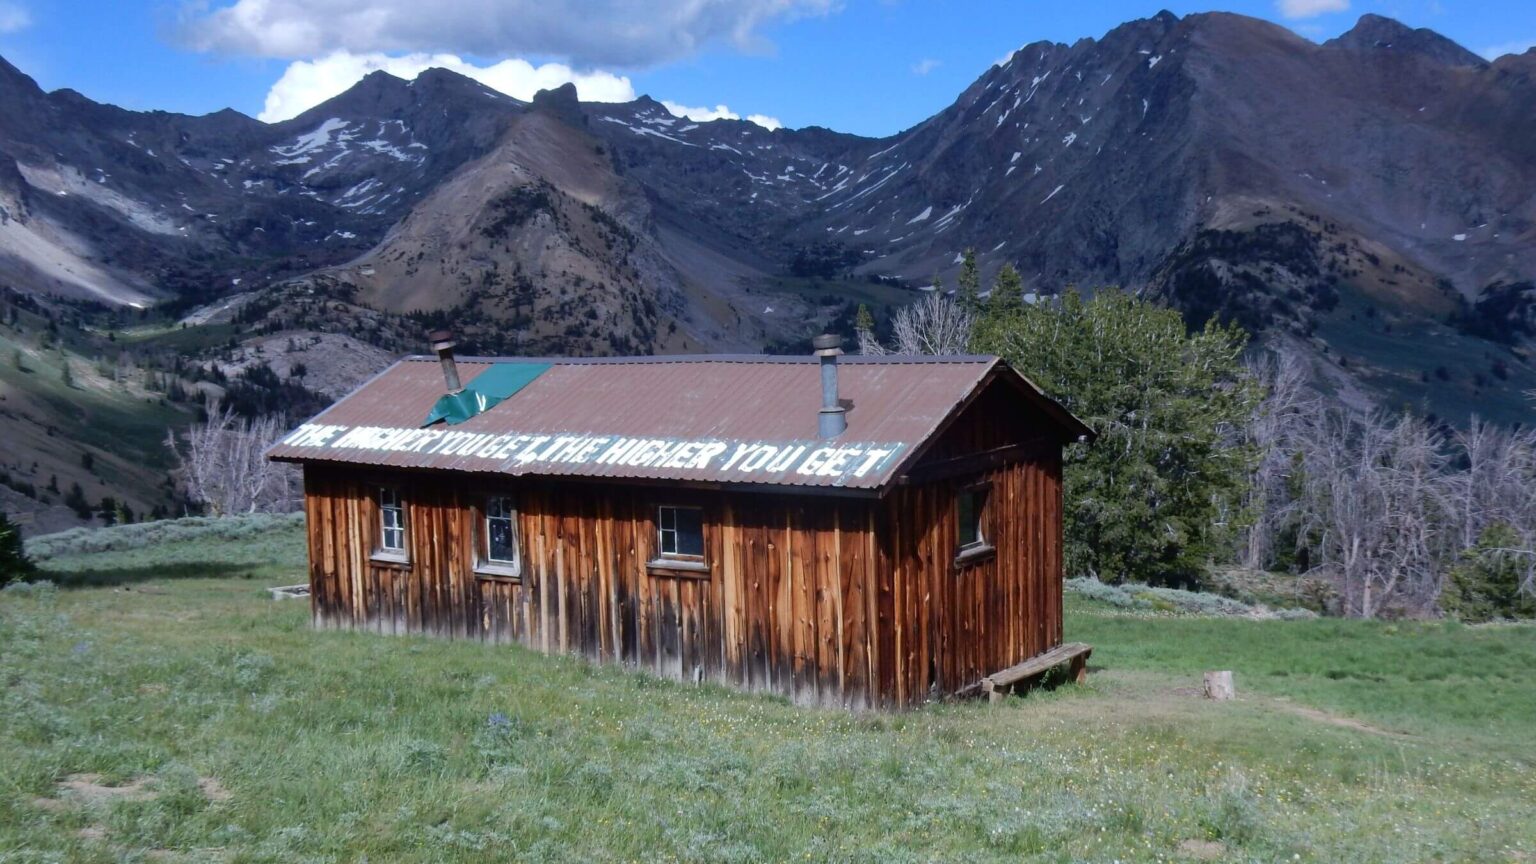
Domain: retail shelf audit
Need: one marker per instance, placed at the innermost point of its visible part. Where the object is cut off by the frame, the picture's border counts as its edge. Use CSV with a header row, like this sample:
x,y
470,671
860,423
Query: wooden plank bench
x,y
1000,684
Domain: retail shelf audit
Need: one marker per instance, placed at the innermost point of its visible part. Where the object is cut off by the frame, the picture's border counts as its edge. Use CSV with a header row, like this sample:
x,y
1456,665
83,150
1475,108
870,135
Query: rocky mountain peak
x,y
1378,33
564,94
13,77
561,102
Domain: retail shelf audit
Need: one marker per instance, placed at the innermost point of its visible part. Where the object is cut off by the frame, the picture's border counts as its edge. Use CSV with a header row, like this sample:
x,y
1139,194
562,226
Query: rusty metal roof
x,y
700,418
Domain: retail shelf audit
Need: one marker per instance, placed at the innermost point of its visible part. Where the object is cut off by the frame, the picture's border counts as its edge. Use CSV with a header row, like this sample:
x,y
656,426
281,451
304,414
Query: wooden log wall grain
x,y
785,607
952,622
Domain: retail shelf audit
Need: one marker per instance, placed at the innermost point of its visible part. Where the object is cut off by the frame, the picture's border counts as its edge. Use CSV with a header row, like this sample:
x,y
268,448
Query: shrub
x,y
81,541
1175,601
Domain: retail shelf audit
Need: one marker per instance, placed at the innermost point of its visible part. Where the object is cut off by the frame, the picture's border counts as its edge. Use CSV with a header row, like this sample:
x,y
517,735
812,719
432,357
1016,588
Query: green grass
x,y
186,339
128,424
339,746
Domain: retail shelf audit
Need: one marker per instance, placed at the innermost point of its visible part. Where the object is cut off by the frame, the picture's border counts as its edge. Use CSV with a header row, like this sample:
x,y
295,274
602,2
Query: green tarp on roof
x,y
489,387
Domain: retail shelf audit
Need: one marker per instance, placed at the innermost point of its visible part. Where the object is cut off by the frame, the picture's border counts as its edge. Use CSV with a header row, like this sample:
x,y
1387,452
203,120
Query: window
x,y
680,532
498,552
971,509
391,523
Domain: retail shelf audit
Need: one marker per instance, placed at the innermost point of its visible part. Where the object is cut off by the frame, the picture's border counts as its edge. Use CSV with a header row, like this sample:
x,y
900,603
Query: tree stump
x,y
1218,686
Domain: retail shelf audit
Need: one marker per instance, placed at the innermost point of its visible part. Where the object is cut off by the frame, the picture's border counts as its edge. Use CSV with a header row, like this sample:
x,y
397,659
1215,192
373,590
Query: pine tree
x,y
14,564
863,322
1485,584
1151,500
74,499
969,283
68,375
1007,292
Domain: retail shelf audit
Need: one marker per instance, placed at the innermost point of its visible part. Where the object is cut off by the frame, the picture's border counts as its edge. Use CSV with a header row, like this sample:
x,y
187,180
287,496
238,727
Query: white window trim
x,y
485,565
381,552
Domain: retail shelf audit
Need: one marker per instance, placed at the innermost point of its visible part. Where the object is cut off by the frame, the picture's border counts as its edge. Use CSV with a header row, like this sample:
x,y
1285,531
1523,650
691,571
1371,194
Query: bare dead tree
x,y
1496,487
223,466
1275,432
933,325
1372,506
870,346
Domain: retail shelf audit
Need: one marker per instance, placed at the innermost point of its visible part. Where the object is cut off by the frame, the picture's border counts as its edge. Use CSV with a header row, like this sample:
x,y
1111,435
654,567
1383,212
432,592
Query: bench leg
x,y
1079,668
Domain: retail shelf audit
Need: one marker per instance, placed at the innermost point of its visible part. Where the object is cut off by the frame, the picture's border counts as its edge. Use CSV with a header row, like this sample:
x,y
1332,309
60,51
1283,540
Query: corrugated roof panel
x,y
750,420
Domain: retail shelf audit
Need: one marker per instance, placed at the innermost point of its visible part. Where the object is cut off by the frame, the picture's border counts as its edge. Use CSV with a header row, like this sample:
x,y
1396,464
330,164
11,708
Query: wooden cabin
x,y
857,531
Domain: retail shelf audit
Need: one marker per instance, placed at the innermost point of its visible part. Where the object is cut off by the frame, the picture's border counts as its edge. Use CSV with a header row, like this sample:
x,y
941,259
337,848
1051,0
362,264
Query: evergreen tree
x,y
969,283
1007,292
14,564
1486,584
1159,495
68,375
863,322
74,499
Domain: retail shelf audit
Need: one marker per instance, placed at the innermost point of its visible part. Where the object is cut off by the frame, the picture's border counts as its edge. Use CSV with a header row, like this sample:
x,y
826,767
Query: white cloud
x,y
719,112
1310,8
602,33
1494,52
307,83
925,65
13,17
700,115
763,120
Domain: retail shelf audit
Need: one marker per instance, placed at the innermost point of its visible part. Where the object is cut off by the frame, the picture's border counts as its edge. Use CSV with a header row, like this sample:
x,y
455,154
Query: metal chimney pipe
x,y
832,420
442,343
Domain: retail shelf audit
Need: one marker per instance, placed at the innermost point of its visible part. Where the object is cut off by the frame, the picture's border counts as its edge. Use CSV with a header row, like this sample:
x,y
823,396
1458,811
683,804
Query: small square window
x,y
680,532
391,522
499,531
971,510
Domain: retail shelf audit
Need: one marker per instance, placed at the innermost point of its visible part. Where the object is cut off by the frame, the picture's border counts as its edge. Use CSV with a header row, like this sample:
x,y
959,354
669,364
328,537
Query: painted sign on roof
x,y
699,418
527,453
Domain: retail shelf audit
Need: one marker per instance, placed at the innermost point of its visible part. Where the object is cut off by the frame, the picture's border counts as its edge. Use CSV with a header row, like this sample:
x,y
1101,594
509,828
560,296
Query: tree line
x,y
1215,454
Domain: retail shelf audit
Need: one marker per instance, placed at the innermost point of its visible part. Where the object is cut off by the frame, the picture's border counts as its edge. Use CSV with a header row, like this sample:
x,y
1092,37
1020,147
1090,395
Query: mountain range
x,y
1369,201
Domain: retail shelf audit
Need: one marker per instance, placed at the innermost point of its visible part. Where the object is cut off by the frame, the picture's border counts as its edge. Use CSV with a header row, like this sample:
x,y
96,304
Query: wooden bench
x,y
1000,684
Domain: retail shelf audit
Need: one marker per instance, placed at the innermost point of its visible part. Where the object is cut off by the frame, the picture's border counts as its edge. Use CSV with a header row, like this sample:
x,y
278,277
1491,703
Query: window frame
x,y
485,565
979,547
680,564
382,530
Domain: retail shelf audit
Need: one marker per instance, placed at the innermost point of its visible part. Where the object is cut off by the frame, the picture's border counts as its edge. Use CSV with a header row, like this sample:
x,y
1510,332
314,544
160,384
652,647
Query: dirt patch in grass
x,y
213,790
1315,714
1340,721
89,789
1203,850
52,805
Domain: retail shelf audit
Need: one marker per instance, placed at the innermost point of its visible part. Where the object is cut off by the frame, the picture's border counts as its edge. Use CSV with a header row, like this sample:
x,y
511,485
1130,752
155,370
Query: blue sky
x,y
868,66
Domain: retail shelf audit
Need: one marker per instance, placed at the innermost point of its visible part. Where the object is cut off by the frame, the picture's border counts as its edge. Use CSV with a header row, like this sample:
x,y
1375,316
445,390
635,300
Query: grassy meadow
x,y
158,706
